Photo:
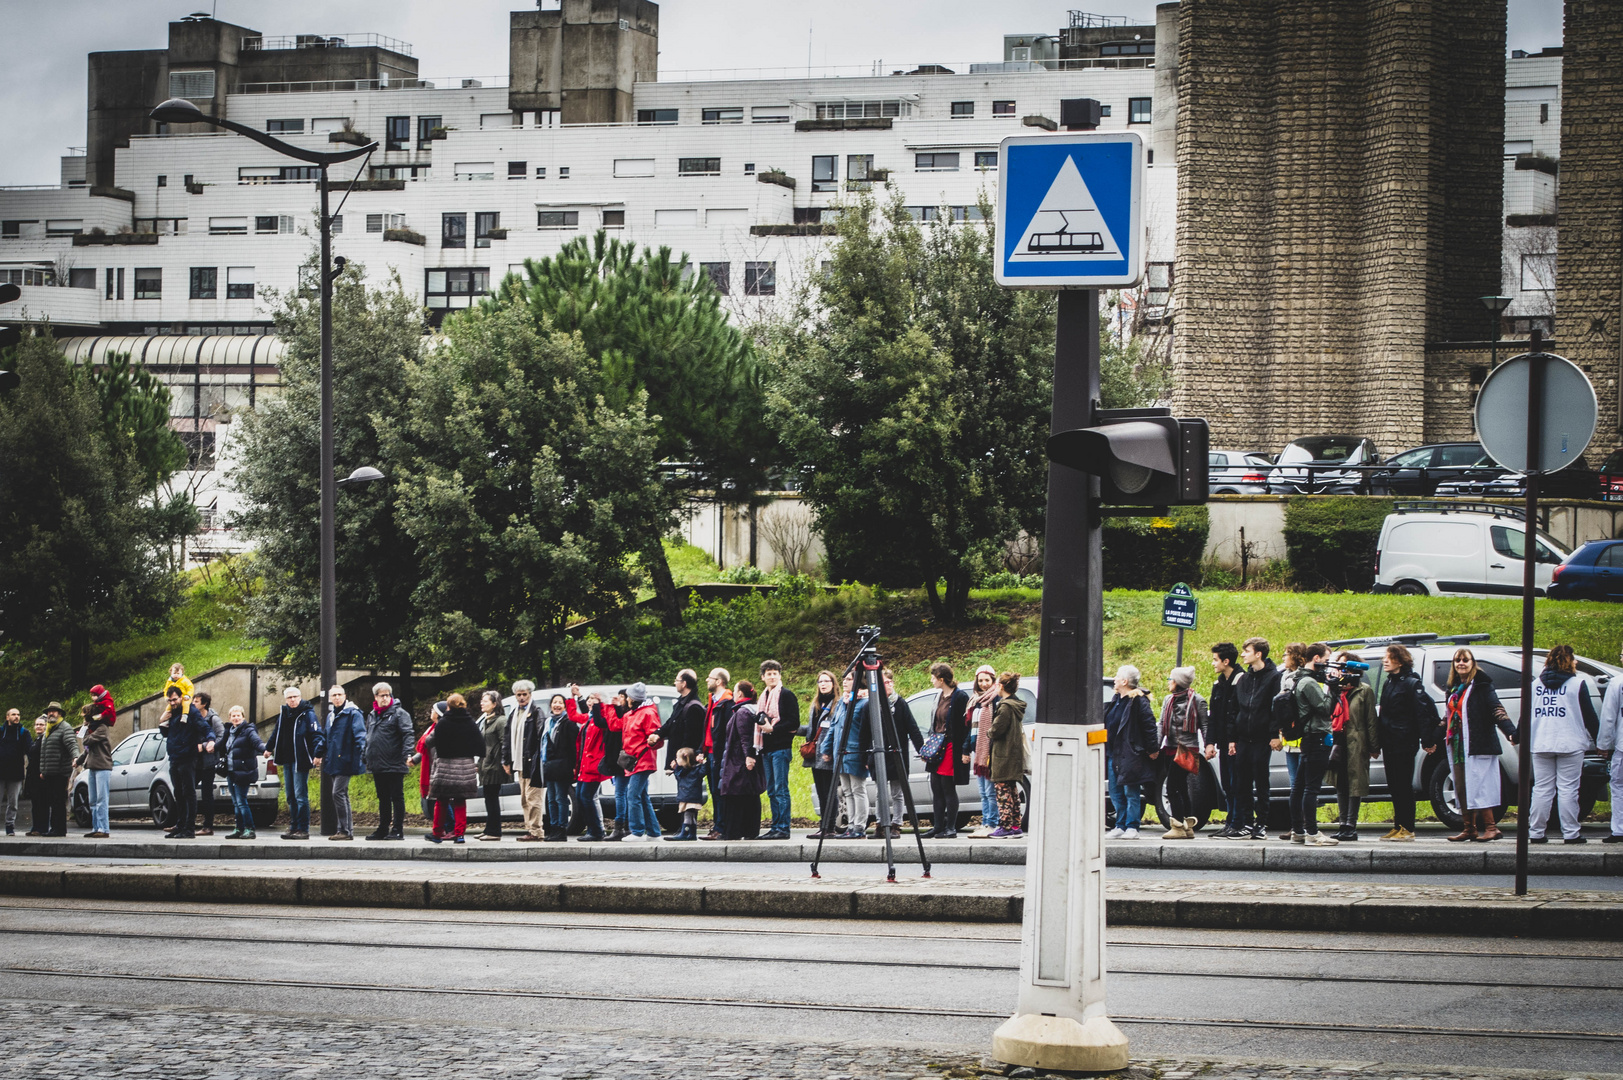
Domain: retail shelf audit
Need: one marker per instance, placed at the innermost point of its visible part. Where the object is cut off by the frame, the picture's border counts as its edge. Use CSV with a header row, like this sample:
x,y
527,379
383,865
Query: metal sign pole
x,y
1179,662
1537,363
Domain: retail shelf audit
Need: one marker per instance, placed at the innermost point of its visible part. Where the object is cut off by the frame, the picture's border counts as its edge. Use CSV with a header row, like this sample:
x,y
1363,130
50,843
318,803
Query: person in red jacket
x,y
102,705
639,732
426,759
589,773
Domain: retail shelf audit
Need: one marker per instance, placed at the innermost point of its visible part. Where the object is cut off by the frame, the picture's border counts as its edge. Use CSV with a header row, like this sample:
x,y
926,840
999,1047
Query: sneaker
x,y
1130,834
235,834
636,838
250,835
341,836
1392,833
487,836
1538,839
1575,840
1297,838
96,835
1318,839
1002,834
434,838
584,838
459,840
1287,836
377,836
1259,832
1404,834
1115,834
1613,839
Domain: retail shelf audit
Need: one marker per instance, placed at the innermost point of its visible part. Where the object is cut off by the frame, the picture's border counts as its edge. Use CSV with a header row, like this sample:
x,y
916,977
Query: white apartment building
x,y
1532,149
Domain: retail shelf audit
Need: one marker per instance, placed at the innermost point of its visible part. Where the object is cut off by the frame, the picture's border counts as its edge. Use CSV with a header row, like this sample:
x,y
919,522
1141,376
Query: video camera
x,y
1347,671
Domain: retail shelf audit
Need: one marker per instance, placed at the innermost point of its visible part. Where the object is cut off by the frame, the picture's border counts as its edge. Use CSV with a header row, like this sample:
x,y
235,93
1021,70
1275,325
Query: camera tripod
x,y
884,755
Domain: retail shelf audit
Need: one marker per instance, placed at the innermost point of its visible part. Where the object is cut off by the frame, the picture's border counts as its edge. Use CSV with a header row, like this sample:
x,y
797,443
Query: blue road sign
x,y
1070,211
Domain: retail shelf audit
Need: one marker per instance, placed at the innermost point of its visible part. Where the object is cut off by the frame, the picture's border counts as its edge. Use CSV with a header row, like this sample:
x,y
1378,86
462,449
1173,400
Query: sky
x,y
43,81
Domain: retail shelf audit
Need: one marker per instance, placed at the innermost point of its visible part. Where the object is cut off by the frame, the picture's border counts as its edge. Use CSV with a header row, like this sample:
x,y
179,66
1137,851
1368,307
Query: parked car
x,y
1308,466
1610,477
140,786
1458,549
1238,472
1420,471
1593,572
1576,481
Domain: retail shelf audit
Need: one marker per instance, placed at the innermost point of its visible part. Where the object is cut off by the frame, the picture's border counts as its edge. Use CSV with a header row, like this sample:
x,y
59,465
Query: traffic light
x,y
9,335
1142,457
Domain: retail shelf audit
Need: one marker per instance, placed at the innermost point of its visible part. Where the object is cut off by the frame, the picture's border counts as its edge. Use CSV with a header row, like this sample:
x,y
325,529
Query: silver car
x,y
140,786
1237,472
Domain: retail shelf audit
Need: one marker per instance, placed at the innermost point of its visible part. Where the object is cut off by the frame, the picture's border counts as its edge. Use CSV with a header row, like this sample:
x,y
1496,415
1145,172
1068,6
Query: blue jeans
x,y
298,799
586,792
558,805
989,814
776,764
99,792
239,804
621,822
1128,799
640,807
1293,761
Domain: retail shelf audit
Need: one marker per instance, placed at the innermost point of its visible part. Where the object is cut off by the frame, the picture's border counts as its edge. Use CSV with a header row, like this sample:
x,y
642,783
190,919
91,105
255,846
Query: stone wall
x,y
1589,266
1339,207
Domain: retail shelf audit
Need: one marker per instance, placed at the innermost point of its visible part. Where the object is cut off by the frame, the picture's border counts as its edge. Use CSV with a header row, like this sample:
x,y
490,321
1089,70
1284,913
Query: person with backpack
x,y
1284,709
1250,739
1185,725
1407,719
1563,727
1356,740
1310,722
345,757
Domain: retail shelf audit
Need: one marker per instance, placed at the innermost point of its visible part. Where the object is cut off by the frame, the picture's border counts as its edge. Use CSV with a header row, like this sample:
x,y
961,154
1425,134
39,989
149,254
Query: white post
x,y
1060,1022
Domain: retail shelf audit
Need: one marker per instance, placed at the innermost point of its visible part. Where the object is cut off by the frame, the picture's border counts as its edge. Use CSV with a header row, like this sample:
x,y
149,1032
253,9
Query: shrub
x,y
1330,540
1006,580
1155,553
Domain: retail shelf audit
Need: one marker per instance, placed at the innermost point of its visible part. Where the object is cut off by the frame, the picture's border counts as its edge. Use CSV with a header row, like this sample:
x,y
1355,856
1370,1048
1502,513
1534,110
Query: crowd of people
x,y
730,744
1319,709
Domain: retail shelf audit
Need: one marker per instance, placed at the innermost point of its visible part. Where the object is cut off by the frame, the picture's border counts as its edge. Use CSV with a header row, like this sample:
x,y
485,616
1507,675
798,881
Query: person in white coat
x,y
1564,725
1610,742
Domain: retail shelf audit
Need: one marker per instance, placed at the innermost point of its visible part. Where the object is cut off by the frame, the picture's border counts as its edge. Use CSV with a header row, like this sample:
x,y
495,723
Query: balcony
x,y
62,307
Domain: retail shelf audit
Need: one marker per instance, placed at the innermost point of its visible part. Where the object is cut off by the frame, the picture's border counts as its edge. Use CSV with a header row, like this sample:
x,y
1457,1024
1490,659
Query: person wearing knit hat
x,y
1185,726
982,706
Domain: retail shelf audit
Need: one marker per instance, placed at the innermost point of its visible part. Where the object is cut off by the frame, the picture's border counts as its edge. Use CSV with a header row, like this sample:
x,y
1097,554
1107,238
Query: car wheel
x,y
265,815
161,803
1410,588
81,807
1025,804
1445,799
1586,806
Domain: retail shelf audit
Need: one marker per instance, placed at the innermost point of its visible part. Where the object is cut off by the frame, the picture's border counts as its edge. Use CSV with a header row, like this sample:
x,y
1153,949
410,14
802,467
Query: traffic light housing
x,y
1142,457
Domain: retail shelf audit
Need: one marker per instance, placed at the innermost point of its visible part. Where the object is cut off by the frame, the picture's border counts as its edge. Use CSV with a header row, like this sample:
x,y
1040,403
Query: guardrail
x,y
261,43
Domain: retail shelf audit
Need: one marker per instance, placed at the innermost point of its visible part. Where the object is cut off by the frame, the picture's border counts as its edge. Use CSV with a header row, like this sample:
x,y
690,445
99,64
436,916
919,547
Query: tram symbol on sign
x,y
1067,223
1065,239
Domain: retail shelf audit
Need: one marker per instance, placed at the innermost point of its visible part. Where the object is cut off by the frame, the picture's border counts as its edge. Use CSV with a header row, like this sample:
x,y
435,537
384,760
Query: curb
x,y
1266,856
1196,910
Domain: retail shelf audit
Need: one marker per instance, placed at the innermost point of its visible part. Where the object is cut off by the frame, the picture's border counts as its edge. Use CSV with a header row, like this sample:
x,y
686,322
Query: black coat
x,y
684,728
561,746
15,741
907,731
457,736
959,735
736,749
781,735
243,749
1407,714
185,734
1133,737
1484,716
1221,706
1254,704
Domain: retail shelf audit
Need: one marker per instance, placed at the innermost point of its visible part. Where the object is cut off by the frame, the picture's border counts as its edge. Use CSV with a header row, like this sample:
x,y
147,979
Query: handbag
x,y
935,744
1186,759
626,762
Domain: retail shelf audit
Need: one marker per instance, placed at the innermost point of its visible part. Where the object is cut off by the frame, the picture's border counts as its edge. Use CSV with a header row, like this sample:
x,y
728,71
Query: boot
x,y
1486,829
620,831
1468,828
1349,820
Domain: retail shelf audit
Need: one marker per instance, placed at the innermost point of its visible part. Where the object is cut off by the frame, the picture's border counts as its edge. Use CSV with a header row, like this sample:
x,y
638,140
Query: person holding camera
x,y
1313,712
1355,738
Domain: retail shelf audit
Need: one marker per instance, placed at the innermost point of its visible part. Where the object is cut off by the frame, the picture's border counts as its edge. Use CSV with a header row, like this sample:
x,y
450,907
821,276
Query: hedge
x,y
1155,553
1330,540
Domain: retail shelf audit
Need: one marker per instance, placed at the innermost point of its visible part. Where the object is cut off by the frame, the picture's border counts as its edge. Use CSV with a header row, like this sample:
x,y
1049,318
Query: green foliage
x,y
1128,377
1155,553
135,415
1003,579
1272,574
1331,539
915,391
83,553
376,333
526,496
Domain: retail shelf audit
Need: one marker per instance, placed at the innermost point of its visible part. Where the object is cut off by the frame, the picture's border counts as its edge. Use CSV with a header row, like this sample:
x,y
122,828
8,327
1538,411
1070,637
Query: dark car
x,y
1421,470
1309,466
1611,477
1593,572
1577,481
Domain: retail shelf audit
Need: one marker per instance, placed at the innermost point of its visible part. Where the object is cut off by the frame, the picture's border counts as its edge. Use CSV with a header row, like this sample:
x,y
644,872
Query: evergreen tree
x,y
527,493
82,556
376,333
656,328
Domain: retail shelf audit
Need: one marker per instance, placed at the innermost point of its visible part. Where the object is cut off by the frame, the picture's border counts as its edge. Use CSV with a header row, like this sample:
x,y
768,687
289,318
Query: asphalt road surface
x,y
376,983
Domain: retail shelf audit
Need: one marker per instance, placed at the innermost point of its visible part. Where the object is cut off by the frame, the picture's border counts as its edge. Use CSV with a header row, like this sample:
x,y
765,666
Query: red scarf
x,y
709,715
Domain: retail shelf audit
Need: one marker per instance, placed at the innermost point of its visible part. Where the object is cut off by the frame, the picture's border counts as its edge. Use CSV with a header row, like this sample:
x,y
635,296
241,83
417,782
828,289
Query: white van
x,y
1465,549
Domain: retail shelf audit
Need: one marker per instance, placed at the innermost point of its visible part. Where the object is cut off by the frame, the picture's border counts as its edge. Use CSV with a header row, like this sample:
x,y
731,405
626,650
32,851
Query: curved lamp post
x,y
1497,305
181,111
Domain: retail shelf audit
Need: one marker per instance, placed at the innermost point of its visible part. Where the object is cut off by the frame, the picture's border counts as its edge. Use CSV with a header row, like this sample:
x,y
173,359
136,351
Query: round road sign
x,y
1567,416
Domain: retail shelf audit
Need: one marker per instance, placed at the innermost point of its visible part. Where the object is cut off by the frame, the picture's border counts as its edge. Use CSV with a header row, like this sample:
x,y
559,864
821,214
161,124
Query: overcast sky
x,y
42,82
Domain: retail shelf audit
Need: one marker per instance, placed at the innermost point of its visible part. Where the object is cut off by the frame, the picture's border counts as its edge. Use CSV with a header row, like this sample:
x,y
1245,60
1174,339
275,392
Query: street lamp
x,y
363,475
1497,305
181,111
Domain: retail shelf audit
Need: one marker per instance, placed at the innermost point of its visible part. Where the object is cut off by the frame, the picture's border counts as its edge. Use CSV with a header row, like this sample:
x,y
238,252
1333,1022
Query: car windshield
x,y
1327,448
1259,460
1614,463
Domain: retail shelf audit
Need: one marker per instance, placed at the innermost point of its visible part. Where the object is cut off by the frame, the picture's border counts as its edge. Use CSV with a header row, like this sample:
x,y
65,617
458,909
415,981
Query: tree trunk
x,y
936,609
79,660
665,594
958,582
402,688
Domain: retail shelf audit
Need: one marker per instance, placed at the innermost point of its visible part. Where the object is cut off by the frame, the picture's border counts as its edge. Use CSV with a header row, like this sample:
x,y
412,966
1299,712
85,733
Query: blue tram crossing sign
x,y
1070,211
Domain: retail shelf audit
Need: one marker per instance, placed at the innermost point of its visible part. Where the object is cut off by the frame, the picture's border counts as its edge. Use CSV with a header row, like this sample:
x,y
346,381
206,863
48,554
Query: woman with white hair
x,y
1185,724
1131,751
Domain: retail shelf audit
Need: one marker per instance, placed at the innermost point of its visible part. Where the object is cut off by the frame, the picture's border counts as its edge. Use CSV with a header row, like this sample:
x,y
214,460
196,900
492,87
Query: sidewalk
x,y
1239,905
1428,855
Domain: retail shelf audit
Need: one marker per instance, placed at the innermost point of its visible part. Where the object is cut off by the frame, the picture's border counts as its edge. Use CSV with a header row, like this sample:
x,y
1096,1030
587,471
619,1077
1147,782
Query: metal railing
x,y
323,86
261,43
880,69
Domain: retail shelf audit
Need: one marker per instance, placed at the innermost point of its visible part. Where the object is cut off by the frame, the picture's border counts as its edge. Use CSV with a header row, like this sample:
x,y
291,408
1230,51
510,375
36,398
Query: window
x,y
771,114
228,226
29,276
81,278
738,217
475,170
161,226
1509,543
656,116
823,166
634,166
151,750
540,172
1468,454
1538,272
936,162
760,279
851,110
272,174
563,172
614,219
723,116
337,224
239,283
517,170
858,166
205,281
1544,113
323,125
1104,110
1128,48
195,85
1138,110
379,222
148,283
11,230
809,215
453,288
64,227
1611,557
559,219
425,131
676,218
986,160
109,294
963,110
396,132
453,230
125,753
272,223
285,127
749,168
163,181
401,172
1002,108
699,166
121,283
483,225
720,275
